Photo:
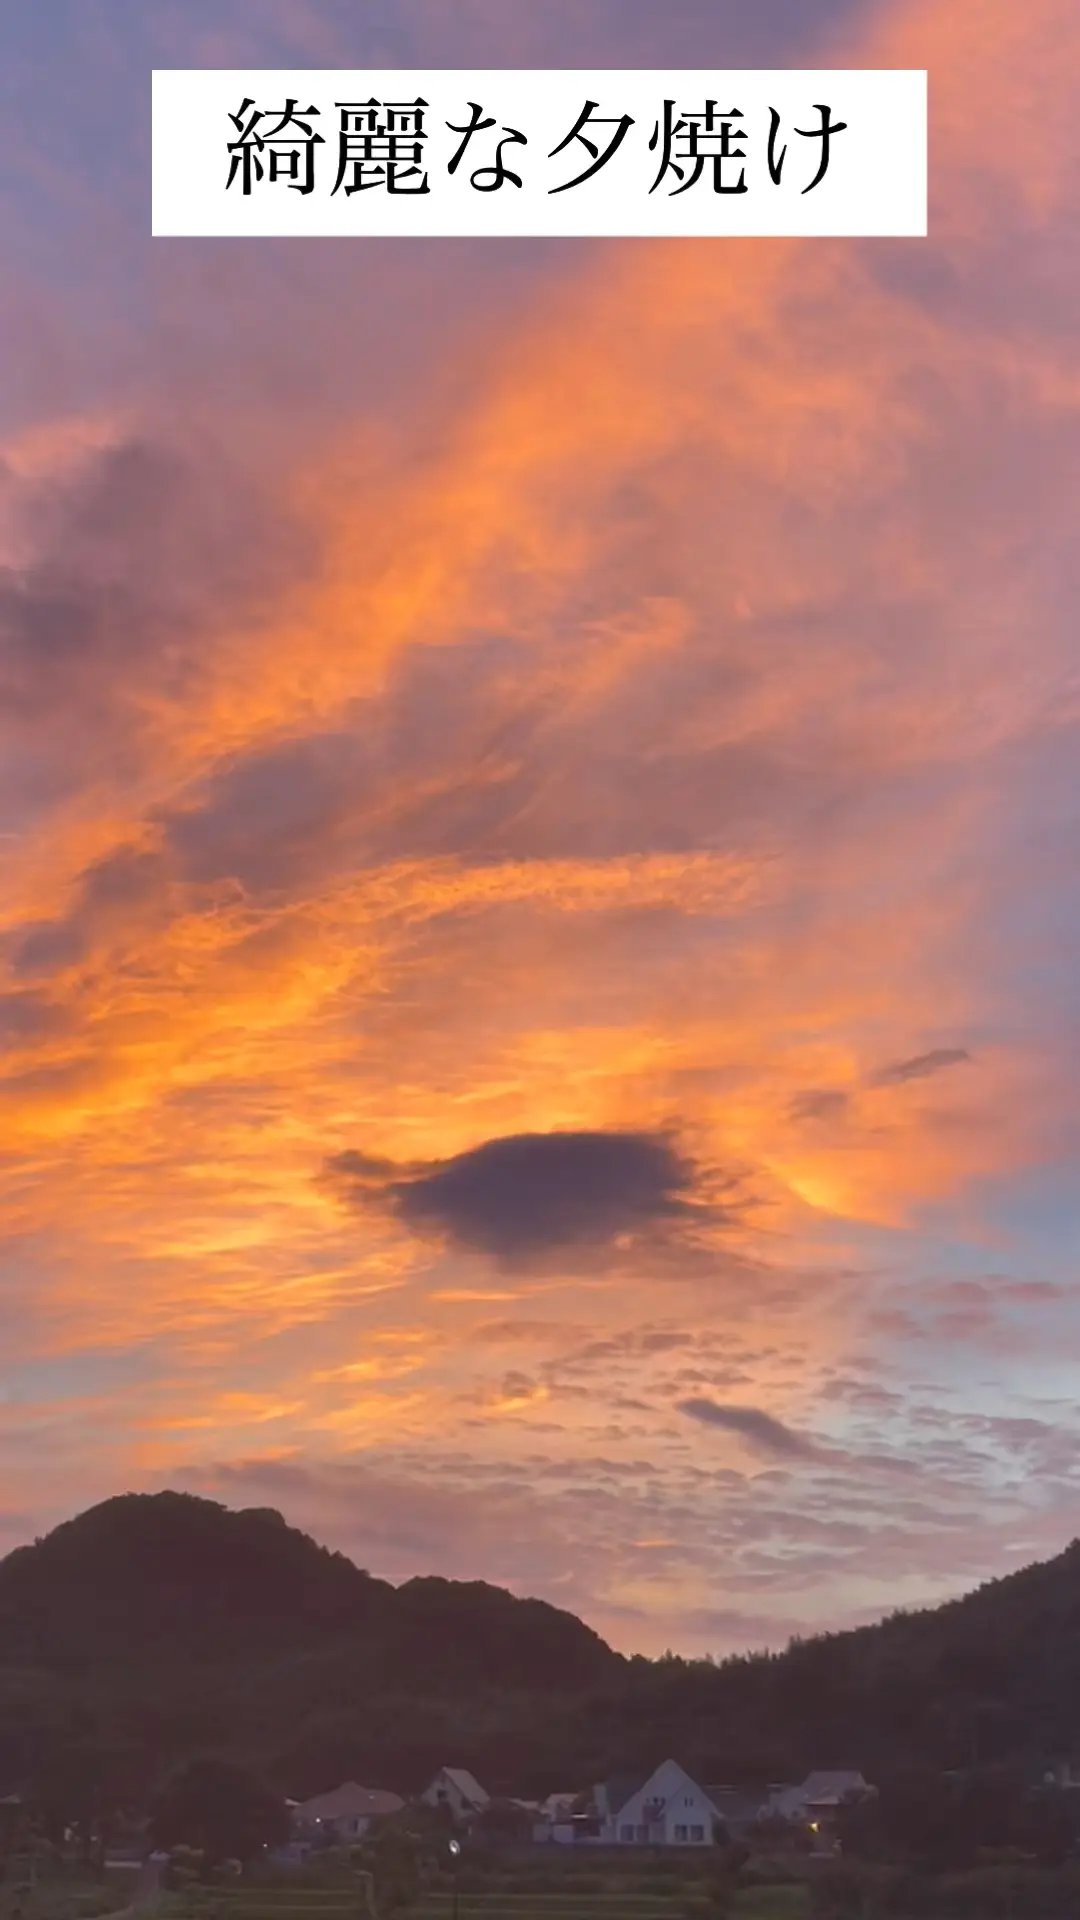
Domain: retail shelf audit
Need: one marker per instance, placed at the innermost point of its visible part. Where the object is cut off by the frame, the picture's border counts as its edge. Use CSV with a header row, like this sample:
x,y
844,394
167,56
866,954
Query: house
x,y
346,1813
559,1806
561,1833
815,1805
668,1809
565,1819
818,1797
457,1790
739,1812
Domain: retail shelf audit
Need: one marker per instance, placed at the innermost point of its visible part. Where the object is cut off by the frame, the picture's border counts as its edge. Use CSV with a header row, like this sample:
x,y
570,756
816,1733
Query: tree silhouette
x,y
221,1808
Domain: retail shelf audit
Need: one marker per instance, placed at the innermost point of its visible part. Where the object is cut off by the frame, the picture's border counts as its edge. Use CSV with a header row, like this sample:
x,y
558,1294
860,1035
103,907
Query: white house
x,y
459,1791
668,1810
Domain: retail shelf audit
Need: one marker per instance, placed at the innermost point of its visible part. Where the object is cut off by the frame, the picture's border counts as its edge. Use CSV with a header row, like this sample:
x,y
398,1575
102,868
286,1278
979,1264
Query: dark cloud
x,y
770,1435
49,622
49,946
28,1017
819,1103
89,610
134,559
918,1067
531,1194
272,817
114,897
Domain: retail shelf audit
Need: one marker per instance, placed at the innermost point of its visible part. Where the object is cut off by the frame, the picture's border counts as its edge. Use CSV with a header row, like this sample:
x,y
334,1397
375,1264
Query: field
x,y
602,1892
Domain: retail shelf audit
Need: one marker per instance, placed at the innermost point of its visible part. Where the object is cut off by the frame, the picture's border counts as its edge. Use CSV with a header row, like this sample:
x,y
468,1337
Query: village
x,y
668,1808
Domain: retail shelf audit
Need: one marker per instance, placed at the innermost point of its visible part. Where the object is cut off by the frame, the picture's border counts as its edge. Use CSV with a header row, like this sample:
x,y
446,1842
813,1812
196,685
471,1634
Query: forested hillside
x,y
155,1627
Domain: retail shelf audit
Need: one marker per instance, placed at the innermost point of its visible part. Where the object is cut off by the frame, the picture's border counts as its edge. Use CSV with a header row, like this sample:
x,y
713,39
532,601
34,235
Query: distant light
x,y
455,1846
814,1826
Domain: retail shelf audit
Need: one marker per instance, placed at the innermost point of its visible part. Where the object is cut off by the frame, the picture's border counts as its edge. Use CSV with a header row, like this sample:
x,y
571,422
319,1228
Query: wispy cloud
x,y
919,1067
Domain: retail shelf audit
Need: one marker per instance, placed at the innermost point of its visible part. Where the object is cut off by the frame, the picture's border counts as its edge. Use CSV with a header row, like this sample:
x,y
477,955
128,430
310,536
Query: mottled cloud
x,y
672,1549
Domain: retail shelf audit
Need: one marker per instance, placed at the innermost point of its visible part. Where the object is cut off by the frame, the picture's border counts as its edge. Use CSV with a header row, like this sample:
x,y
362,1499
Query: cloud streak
x,y
765,1433
919,1067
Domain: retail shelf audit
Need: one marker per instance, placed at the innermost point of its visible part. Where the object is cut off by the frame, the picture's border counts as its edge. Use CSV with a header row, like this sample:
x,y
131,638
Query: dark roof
x,y
350,1801
467,1785
732,1804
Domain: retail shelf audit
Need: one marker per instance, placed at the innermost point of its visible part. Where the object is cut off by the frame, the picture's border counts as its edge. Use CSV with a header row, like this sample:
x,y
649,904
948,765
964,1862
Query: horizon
x,y
537,845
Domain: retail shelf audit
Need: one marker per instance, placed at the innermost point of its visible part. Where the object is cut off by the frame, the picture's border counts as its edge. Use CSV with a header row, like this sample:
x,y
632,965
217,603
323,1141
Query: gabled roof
x,y
350,1802
621,1788
825,1788
467,1785
821,1789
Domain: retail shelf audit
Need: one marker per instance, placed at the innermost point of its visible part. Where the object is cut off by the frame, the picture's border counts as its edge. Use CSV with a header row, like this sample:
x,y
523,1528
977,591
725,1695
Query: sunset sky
x,y
456,694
